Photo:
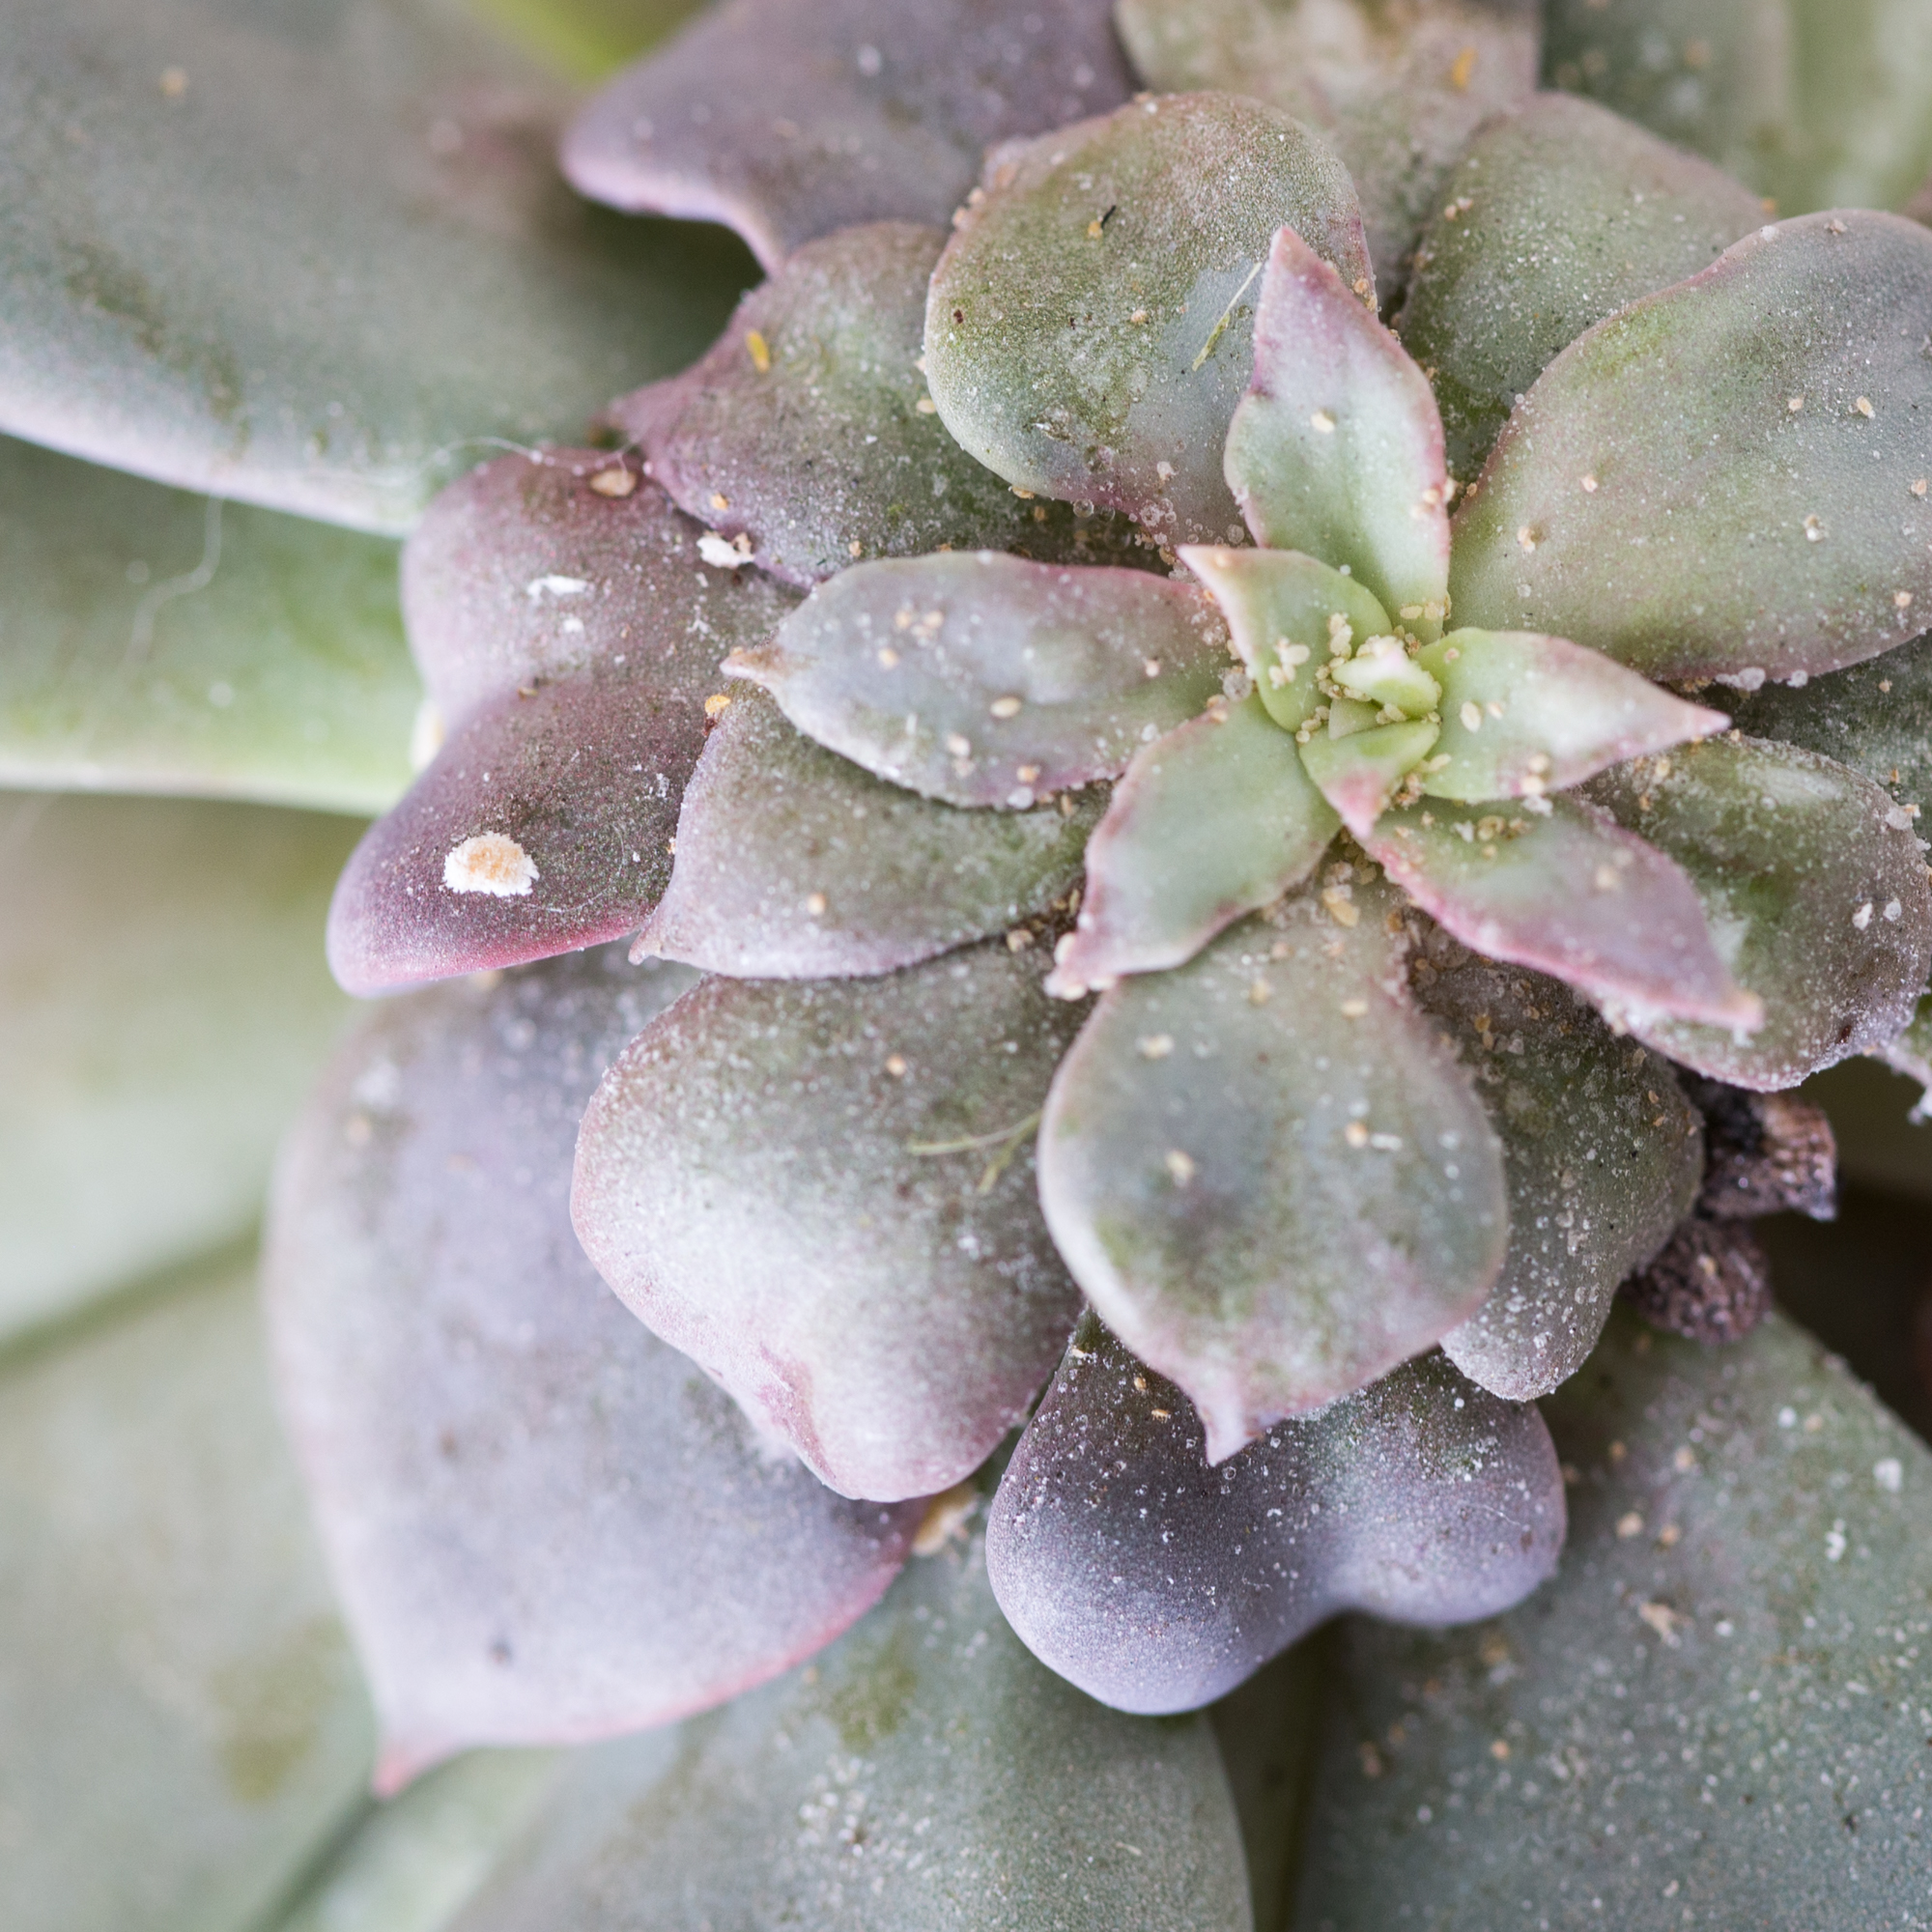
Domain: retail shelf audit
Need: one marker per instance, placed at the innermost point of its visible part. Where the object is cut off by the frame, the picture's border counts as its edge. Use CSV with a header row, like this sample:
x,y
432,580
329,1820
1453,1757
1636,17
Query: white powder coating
x,y
489,863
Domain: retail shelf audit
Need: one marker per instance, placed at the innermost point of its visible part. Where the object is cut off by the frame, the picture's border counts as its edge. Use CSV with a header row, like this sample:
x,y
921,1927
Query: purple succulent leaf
x,y
1090,330
1336,450
796,864
1524,715
1265,1169
1359,774
1603,1153
1815,889
1719,480
1399,93
547,1525
1158,1582
1569,893
1556,216
822,1192
981,679
1212,820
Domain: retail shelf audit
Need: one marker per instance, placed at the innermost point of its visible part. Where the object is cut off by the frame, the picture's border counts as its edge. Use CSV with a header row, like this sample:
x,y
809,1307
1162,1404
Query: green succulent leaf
x,y
313,258
790,120
796,864
1910,1052
983,679
1399,91
162,1006
1722,1670
1718,480
546,1525
1524,715
1215,819
1360,771
1090,324
1336,450
184,1728
1568,892
822,1192
1556,216
151,640
1156,1584
1267,1172
1815,890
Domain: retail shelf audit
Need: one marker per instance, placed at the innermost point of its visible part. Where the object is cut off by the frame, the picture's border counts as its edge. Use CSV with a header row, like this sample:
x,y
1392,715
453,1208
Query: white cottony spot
x,y
489,863
715,549
557,587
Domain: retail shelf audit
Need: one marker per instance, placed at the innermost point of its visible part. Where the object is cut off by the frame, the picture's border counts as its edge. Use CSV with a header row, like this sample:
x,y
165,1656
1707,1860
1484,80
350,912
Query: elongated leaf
x,y
182,1728
1090,326
823,1193
1265,1169
314,258
1722,1671
1213,820
1359,773
1718,480
1157,1583
984,679
789,120
1815,890
1336,450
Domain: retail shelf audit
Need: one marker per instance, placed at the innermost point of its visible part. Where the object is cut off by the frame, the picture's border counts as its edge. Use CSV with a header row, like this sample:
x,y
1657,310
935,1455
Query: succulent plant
x,y
1066,917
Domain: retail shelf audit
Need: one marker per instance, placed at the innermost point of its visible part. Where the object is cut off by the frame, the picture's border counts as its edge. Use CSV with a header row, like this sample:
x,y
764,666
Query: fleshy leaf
x,y
1524,715
984,679
156,642
823,1193
1718,480
1716,1661
1360,773
313,258
1267,1172
796,864
1213,820
1091,326
789,120
1336,450
164,1004
1556,216
1815,890
570,630
184,1729
1157,1583
1570,893
546,1525
1603,1153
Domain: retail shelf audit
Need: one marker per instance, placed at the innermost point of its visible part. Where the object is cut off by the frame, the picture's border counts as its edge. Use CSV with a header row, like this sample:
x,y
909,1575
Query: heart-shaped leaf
x,y
796,864
1267,1171
789,120
1091,326
1815,890
1336,450
823,1193
1718,480
1558,215
546,1524
1215,819
984,679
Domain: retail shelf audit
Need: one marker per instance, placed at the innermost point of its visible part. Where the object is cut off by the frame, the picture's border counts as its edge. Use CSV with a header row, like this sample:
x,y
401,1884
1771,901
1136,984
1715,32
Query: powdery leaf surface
x,y
1815,890
1716,1708
181,1727
1267,1172
1718,479
795,864
789,120
547,1525
823,1192
1090,326
570,630
983,679
1558,215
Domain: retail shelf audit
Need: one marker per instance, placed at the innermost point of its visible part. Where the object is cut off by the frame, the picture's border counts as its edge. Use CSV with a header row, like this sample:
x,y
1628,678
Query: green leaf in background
x,y
587,40
151,640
